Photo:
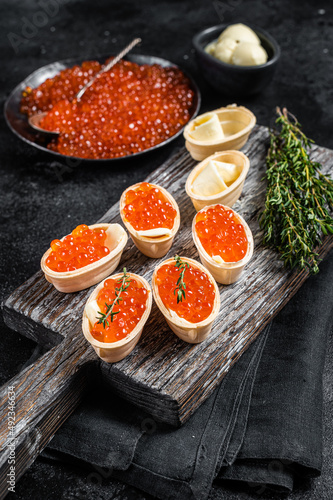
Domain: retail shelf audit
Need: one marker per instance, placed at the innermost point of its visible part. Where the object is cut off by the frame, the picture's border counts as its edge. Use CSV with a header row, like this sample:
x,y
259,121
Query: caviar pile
x,y
221,233
78,249
128,109
131,309
200,293
148,208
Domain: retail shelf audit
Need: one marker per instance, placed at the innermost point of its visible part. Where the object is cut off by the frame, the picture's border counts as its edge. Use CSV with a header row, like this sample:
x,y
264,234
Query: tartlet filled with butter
x,y
218,130
238,45
151,216
218,179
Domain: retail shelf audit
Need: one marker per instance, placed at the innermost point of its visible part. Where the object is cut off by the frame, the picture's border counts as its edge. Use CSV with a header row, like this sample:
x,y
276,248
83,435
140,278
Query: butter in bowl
x,y
236,60
239,45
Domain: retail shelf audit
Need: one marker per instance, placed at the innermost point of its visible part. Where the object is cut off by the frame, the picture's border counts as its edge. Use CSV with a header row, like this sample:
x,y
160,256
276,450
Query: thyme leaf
x,y
181,286
124,282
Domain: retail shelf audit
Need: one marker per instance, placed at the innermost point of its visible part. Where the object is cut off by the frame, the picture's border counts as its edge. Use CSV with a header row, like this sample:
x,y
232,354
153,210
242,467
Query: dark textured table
x,y
40,196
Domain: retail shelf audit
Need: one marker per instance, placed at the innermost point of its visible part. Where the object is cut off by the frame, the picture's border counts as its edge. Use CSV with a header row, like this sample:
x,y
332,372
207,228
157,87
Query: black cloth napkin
x,y
261,426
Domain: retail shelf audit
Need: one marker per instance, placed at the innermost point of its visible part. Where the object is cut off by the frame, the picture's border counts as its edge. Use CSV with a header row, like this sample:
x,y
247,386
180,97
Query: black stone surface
x,y
41,197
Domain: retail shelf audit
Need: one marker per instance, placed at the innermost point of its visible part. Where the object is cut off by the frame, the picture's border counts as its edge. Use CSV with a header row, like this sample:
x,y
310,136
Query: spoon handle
x,y
114,61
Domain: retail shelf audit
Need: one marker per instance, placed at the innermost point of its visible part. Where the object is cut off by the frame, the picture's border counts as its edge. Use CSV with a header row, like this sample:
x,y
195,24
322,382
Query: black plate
x,y
18,122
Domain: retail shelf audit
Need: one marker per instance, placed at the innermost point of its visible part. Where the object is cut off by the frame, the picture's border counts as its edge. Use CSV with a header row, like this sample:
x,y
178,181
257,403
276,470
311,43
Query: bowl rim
x,y
259,31
229,108
224,265
136,330
200,166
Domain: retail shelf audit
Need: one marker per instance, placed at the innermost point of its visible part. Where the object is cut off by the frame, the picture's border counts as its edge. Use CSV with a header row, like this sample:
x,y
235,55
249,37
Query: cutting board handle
x,y
35,403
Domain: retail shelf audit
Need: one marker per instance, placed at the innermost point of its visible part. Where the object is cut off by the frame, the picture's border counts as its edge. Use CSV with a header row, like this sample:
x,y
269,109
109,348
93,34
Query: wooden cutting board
x,y
167,377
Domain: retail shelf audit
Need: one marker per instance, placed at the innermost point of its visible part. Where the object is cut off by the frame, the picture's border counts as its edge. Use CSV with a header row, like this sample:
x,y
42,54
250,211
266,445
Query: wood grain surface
x,y
164,375
45,394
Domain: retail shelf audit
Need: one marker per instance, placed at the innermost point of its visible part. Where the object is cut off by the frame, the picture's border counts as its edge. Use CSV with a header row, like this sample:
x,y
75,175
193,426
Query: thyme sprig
x,y
181,286
298,196
124,282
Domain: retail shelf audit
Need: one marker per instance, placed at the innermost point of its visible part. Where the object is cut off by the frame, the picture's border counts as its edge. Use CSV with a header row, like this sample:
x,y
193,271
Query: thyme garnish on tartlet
x,y
125,283
181,286
298,197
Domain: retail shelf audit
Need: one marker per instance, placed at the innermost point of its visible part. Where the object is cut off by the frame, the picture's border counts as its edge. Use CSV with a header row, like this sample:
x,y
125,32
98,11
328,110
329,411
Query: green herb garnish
x,y
298,197
181,286
125,283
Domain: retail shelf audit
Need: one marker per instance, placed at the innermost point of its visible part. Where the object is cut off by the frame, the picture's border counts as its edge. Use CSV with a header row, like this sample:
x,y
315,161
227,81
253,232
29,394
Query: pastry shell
x,y
230,195
73,281
192,333
237,123
227,272
151,247
111,352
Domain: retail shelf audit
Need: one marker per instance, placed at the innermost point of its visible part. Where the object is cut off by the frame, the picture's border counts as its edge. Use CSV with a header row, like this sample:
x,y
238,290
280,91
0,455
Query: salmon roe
x,y
200,292
148,208
221,233
128,109
78,249
131,310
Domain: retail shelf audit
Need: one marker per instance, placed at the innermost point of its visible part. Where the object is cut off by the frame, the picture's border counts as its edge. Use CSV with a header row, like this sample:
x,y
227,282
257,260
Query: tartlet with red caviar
x,y
187,296
115,314
84,257
151,216
224,242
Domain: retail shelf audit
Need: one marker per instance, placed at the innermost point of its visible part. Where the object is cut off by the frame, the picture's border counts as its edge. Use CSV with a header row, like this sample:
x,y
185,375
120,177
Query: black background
x,y
41,198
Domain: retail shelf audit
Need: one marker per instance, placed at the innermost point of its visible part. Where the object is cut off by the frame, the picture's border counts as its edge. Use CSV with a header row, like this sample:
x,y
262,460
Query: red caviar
x,y
148,208
200,292
78,249
128,109
221,233
131,309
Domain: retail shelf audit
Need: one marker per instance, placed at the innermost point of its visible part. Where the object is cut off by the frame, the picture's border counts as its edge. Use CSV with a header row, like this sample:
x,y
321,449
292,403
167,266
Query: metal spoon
x,y
34,120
